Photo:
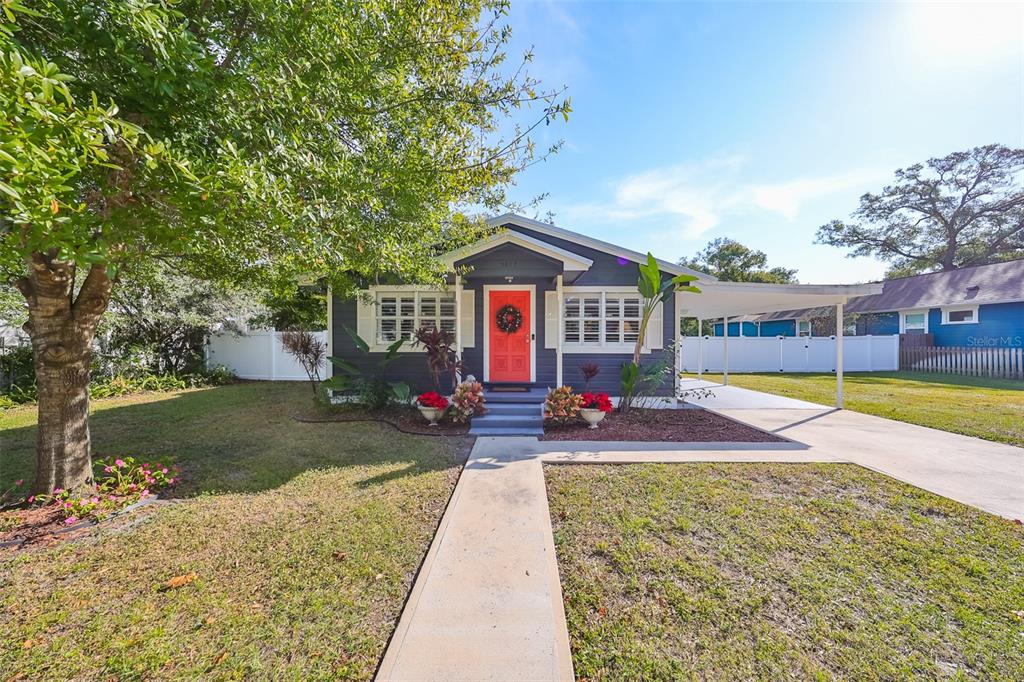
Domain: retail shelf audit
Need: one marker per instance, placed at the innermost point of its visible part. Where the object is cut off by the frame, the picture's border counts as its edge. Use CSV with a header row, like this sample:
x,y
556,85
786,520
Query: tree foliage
x,y
243,141
963,209
730,261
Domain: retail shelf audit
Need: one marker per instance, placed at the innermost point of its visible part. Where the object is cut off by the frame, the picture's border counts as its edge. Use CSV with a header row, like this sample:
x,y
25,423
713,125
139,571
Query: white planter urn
x,y
592,416
431,414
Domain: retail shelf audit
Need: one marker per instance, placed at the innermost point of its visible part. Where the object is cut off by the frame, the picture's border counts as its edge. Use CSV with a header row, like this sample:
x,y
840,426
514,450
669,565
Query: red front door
x,y
509,354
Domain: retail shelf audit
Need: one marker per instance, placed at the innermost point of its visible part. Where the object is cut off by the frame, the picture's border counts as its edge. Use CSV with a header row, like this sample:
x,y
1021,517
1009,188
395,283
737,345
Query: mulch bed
x,y
404,419
40,525
689,425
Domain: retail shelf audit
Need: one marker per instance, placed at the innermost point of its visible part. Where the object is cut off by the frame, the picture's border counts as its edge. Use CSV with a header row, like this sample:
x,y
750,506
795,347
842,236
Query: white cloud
x,y
786,198
692,199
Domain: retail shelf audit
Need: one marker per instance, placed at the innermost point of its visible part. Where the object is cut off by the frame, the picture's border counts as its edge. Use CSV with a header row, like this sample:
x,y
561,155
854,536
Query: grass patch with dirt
x,y
295,544
780,571
974,406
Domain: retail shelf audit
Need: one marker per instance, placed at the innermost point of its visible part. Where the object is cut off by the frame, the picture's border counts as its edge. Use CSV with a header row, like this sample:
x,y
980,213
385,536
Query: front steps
x,y
519,413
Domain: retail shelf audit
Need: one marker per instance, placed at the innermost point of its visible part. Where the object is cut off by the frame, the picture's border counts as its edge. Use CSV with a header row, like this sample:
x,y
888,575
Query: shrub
x,y
368,382
118,483
442,360
122,385
308,350
596,401
588,370
467,401
562,405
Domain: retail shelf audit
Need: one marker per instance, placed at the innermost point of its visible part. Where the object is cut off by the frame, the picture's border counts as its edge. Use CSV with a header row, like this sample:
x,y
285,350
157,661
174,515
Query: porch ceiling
x,y
732,299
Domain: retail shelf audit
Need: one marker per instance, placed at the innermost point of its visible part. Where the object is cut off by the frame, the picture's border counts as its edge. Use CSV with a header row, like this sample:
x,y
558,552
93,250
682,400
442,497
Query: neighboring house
x,y
980,307
545,279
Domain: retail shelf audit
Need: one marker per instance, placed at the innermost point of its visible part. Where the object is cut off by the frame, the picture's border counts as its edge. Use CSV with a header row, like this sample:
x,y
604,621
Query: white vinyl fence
x,y
256,355
791,354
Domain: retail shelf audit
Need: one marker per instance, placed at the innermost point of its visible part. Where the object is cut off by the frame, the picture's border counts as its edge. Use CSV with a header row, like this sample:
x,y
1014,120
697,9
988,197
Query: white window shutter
x,y
551,319
655,338
468,317
366,313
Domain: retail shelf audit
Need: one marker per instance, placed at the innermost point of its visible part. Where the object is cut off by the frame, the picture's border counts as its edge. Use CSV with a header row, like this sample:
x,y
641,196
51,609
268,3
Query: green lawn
x,y
304,539
986,408
782,571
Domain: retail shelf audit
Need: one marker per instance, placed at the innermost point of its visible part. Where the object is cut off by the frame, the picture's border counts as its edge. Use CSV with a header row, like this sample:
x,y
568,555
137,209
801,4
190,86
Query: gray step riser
x,y
508,422
505,432
514,408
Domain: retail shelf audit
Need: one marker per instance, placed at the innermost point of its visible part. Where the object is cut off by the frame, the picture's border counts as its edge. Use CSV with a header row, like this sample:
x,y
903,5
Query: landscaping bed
x,y
404,418
288,554
641,424
781,571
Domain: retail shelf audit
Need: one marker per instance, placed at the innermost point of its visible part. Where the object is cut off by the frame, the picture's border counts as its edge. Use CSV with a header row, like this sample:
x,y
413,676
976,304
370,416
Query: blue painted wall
x,y
878,324
1000,325
749,329
778,328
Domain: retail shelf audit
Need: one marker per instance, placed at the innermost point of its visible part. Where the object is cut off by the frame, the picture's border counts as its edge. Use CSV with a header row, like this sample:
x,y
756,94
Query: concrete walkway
x,y
487,604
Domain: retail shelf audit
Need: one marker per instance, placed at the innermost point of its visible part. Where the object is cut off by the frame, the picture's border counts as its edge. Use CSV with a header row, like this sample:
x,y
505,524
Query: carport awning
x,y
730,299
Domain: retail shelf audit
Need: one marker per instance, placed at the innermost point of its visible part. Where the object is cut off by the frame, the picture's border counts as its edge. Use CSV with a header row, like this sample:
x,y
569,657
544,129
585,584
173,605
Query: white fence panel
x,y
257,355
791,354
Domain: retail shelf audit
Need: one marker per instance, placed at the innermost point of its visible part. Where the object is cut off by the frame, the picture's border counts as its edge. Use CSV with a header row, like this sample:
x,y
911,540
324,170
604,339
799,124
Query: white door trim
x,y
532,288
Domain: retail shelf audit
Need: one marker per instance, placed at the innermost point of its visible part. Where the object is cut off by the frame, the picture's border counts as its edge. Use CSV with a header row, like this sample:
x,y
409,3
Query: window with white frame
x,y
960,315
915,322
602,318
400,313
803,328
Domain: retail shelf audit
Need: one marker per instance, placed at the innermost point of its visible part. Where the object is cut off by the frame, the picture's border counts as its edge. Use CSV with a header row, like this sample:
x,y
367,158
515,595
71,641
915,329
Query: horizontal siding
x,y
1000,325
610,364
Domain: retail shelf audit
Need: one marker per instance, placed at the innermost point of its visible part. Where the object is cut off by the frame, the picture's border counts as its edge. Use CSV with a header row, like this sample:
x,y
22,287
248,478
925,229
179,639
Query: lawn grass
x,y
304,539
985,408
782,571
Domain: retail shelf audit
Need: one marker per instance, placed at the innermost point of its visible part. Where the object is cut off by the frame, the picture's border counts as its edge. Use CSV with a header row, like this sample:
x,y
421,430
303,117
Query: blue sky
x,y
760,121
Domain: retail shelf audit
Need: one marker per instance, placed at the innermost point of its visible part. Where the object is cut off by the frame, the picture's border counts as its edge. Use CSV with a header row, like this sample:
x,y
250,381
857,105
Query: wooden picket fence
x,y
1003,363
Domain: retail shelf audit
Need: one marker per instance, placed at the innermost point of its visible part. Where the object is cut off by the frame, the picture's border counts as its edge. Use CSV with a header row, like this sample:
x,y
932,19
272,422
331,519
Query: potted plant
x,y
432,406
594,407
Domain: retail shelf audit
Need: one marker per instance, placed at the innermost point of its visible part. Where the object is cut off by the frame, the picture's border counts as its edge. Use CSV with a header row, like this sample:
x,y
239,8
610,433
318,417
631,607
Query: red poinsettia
x,y
596,401
432,399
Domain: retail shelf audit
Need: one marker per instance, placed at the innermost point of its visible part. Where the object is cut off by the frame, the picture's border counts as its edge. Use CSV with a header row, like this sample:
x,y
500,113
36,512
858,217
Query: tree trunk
x,y
62,327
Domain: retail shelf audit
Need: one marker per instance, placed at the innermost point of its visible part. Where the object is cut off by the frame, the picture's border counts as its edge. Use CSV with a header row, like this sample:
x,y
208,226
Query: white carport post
x,y
725,351
839,356
700,349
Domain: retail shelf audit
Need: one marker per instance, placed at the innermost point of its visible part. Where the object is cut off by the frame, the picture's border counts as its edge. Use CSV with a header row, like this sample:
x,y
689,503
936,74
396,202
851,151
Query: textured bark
x,y
62,327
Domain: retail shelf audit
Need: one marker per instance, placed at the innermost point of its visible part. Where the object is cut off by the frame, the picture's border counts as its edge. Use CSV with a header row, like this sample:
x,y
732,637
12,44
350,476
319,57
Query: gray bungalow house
x,y
535,301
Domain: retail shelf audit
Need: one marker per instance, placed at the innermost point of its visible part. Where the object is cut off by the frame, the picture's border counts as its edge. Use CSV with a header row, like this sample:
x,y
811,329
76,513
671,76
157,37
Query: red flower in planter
x,y
432,399
597,401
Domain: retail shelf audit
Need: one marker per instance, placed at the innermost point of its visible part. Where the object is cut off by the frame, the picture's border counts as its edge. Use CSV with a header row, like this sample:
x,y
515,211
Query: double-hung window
x,y
400,313
915,322
601,319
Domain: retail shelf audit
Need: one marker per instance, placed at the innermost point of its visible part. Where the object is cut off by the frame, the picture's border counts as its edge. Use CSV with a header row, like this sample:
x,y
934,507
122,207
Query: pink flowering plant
x,y
122,482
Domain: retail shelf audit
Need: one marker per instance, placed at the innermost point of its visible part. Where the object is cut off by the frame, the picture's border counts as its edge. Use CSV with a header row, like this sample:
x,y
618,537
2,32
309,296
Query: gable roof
x,y
596,244
981,284
570,261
